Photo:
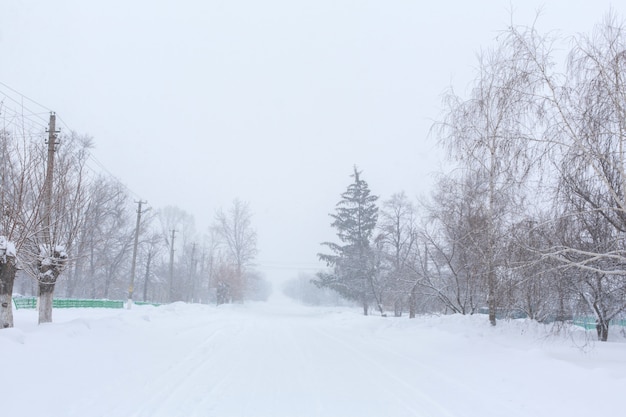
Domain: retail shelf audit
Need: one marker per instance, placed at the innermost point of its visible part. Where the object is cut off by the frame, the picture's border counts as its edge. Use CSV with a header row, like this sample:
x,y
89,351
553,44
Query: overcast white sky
x,y
195,103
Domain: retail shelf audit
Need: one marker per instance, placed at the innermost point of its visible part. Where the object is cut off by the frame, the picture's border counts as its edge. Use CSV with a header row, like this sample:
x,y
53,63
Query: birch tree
x,y
584,110
488,135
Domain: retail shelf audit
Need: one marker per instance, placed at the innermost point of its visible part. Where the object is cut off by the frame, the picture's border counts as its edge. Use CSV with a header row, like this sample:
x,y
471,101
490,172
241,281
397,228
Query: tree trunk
x,y
602,327
7,278
44,302
146,281
397,308
491,239
491,301
561,315
107,284
412,302
73,279
365,308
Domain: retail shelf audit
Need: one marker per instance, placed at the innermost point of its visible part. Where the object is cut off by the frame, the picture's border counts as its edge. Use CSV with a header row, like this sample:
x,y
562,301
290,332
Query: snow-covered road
x,y
281,359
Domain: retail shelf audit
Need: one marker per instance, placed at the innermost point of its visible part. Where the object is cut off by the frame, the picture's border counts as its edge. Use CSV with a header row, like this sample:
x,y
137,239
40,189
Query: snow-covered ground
x,y
281,359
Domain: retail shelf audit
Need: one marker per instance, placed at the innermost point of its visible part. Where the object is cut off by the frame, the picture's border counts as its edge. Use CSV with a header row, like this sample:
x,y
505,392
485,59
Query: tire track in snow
x,y
458,386
431,408
269,374
172,392
345,369
434,377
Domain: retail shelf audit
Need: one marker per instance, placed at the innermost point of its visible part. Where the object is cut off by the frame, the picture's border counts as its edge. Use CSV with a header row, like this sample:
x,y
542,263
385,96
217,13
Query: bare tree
x,y
600,283
20,206
62,221
181,224
584,115
152,251
100,250
453,269
211,264
489,133
238,240
7,278
398,235
584,112
538,287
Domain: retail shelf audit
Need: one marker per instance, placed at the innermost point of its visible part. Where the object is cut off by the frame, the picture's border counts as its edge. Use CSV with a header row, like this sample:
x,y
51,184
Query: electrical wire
x,y
23,96
17,118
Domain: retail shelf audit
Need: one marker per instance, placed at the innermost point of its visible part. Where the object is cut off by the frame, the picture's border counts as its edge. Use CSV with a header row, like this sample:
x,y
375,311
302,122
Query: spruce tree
x,y
352,261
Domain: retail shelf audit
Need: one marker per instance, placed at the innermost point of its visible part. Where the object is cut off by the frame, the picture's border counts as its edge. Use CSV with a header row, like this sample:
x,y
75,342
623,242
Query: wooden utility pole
x,y
172,266
131,287
47,273
47,215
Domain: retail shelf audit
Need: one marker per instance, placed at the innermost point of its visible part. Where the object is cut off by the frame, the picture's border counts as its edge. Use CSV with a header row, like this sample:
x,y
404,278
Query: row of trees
x,y
532,220
76,238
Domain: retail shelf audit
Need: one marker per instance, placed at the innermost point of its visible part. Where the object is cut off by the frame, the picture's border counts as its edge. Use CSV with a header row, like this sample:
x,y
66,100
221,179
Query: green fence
x,y
146,303
31,302
590,322
25,302
72,303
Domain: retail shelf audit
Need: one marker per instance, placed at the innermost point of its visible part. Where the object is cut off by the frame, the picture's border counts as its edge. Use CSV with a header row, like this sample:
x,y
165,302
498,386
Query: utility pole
x,y
46,282
47,215
172,266
131,287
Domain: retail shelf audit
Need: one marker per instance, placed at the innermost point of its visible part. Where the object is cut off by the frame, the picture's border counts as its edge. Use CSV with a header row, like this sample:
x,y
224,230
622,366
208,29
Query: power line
x,y
110,174
41,120
26,97
18,99
65,124
40,123
21,116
